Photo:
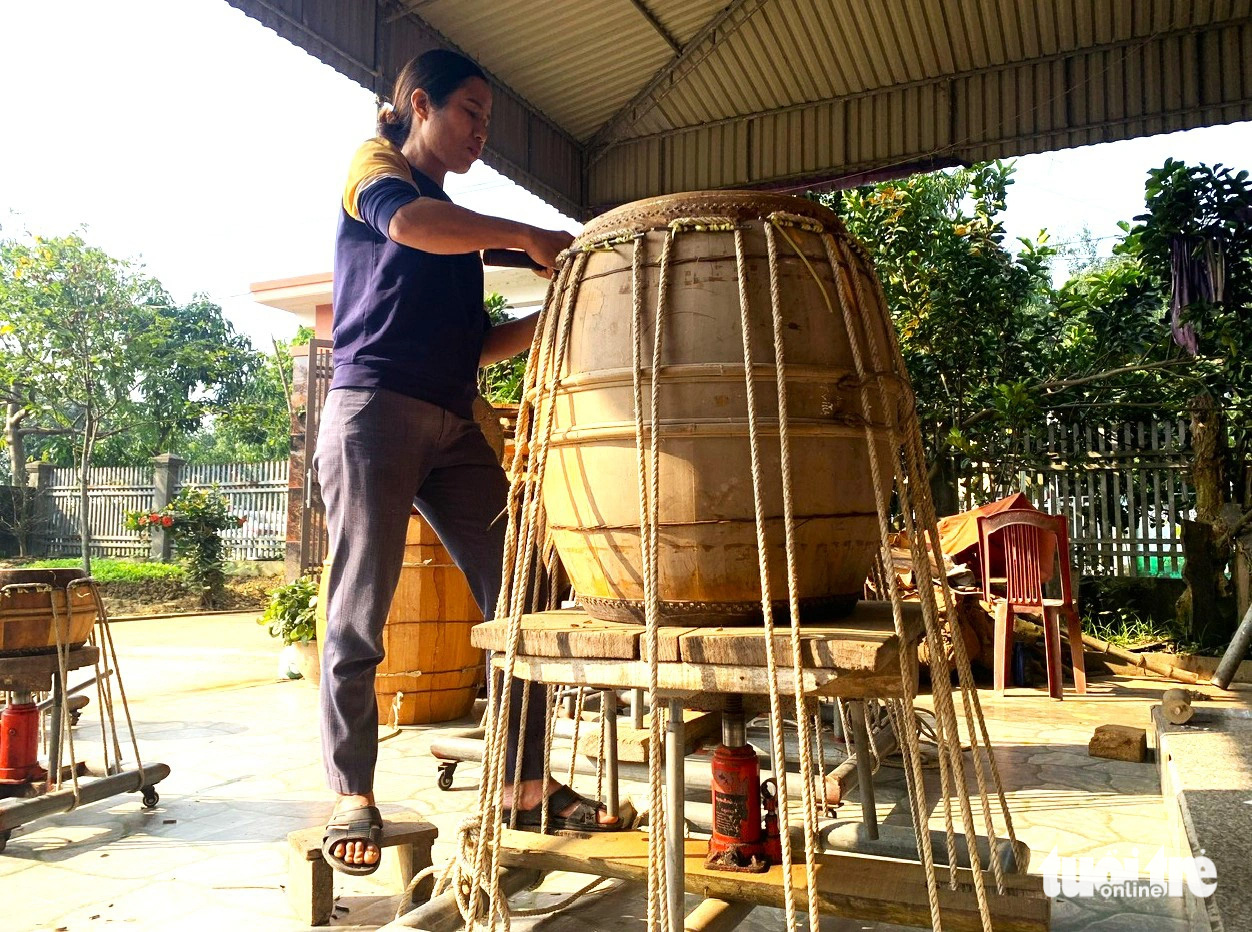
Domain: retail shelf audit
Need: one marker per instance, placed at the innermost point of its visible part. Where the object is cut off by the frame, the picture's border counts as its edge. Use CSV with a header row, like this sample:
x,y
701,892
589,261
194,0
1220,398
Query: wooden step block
x,y
310,880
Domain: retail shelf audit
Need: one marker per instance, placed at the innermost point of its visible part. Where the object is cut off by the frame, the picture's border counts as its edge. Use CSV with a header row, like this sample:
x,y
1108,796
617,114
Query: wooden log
x,y
848,886
1176,706
1144,662
716,916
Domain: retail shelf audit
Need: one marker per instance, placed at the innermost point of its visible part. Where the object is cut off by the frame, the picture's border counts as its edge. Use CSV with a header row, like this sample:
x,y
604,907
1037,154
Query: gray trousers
x,y
378,454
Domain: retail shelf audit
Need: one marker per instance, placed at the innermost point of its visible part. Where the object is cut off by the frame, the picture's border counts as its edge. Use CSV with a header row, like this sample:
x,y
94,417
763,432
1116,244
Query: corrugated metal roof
x,y
594,106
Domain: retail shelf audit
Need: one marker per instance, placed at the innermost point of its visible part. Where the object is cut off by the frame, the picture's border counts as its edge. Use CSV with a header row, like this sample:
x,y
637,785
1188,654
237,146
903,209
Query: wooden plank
x,y
668,643
848,885
696,682
563,633
865,640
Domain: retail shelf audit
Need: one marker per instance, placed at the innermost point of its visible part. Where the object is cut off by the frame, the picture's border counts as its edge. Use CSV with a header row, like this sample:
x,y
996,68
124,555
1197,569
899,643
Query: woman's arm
x,y
440,227
504,341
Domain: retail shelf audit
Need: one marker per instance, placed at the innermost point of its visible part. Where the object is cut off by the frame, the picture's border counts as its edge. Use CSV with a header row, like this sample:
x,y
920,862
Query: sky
x,y
184,135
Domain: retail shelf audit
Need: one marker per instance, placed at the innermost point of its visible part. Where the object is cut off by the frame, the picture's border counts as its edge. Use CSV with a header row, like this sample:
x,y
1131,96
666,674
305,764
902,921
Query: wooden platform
x,y
849,886
856,657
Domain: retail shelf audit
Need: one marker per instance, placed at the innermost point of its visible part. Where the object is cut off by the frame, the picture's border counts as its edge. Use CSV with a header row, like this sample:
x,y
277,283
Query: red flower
x,y
153,518
167,521
241,521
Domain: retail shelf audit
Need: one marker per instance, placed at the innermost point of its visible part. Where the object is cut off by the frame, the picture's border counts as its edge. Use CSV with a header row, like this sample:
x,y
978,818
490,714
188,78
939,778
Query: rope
x,y
767,608
649,516
579,700
940,674
916,476
552,709
908,657
793,586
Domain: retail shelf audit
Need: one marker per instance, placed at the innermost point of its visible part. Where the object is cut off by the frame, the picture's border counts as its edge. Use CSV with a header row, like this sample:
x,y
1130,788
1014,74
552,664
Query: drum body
x,y
709,571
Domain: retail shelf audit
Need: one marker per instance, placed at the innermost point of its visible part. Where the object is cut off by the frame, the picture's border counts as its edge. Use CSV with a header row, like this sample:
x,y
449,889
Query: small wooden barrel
x,y
708,560
29,617
426,639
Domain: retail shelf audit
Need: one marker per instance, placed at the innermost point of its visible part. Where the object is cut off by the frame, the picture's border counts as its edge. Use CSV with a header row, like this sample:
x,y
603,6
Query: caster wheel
x,y
150,797
446,770
74,717
4,838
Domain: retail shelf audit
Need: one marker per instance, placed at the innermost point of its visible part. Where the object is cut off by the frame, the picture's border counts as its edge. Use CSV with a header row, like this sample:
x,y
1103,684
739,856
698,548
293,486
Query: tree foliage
x,y
967,309
501,382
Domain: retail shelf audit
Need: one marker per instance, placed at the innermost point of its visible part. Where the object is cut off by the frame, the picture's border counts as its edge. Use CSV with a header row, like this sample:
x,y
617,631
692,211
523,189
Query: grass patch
x,y
117,571
1129,630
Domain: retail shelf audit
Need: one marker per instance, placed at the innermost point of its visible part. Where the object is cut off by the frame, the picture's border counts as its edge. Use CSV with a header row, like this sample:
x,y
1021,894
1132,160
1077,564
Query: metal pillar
x,y
636,709
608,721
864,766
675,820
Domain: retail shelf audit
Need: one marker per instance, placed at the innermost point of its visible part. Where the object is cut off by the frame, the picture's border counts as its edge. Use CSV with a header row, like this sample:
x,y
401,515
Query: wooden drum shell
x,y
708,568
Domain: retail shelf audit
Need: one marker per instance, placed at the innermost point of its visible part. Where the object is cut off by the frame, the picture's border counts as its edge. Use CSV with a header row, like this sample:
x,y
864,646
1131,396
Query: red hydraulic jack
x,y
19,742
740,841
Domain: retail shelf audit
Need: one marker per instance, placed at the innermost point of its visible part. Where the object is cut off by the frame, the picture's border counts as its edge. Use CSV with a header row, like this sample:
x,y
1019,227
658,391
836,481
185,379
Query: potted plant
x,y
290,616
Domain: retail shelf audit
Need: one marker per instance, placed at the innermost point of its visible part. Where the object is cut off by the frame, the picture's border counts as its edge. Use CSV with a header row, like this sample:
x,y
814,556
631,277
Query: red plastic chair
x,y
1022,536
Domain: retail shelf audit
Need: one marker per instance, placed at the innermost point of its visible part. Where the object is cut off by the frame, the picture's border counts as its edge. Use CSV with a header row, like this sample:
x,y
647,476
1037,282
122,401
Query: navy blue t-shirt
x,y
405,320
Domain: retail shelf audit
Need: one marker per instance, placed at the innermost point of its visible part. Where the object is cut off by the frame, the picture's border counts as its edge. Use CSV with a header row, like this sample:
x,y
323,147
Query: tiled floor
x,y
246,770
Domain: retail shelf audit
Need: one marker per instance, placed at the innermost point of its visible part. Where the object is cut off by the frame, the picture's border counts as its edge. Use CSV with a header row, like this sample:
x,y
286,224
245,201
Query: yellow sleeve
x,y
373,161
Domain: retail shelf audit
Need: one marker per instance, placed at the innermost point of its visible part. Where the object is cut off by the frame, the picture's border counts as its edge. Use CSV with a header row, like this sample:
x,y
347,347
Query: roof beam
x,y
656,24
723,24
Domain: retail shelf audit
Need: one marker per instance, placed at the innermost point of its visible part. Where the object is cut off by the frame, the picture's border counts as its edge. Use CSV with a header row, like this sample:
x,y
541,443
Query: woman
x,y
409,335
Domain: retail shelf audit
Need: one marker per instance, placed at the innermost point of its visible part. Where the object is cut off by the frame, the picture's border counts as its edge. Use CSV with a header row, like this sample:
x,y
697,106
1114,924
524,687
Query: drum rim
x,y
658,212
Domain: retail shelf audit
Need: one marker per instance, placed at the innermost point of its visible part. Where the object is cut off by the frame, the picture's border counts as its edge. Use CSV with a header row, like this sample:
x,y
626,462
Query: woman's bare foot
x,y
354,852
531,794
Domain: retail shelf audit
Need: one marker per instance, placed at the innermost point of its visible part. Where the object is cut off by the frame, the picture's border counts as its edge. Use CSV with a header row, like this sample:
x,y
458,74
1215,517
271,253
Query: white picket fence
x,y
257,491
1124,488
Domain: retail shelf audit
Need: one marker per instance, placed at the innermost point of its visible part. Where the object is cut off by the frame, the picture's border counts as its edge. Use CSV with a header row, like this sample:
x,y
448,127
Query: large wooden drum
x,y
426,640
708,567
38,608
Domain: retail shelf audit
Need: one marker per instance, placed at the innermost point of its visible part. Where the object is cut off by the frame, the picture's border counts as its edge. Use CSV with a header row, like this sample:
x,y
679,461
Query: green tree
x,y
972,316
93,356
1195,241
255,426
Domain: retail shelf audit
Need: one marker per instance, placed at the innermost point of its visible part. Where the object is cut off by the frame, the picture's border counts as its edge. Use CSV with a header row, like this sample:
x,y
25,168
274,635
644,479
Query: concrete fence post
x,y
38,479
166,470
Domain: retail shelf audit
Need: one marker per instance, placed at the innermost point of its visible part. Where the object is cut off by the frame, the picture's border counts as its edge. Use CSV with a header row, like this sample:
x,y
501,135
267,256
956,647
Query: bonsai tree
x,y
196,519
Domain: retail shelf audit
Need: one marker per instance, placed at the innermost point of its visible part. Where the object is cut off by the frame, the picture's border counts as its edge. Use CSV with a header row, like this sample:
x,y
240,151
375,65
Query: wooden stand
x,y
854,659
310,880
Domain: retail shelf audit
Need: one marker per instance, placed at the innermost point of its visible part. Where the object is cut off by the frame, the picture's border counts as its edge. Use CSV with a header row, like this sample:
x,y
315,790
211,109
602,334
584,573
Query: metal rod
x,y
675,822
57,716
1235,653
15,812
608,721
864,766
636,709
